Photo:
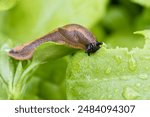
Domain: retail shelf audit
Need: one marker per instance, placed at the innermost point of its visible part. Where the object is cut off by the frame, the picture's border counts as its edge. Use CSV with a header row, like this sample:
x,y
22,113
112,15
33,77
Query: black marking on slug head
x,y
93,47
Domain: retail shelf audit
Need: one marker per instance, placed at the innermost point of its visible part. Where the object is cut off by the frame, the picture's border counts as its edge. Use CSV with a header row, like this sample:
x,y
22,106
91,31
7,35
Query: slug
x,y
73,35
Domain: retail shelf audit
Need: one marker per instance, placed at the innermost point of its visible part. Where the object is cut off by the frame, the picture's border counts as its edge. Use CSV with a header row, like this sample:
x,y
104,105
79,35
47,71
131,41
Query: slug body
x,y
73,35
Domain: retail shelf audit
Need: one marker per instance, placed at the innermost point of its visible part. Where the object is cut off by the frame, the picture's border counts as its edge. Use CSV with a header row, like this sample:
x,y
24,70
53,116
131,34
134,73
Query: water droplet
x,y
143,76
118,59
132,63
130,94
108,70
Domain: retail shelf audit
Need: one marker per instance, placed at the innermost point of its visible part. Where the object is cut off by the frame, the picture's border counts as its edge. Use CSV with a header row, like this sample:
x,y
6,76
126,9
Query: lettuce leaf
x,y
145,3
7,4
111,73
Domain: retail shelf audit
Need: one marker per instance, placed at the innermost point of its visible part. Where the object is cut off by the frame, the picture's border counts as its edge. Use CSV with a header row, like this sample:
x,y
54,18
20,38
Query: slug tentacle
x,y
73,35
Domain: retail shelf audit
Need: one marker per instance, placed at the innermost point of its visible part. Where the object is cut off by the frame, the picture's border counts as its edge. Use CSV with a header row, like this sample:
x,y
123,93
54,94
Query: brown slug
x,y
73,35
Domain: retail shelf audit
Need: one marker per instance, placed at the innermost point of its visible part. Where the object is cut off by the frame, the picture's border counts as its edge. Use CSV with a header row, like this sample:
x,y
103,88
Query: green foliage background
x,y
120,70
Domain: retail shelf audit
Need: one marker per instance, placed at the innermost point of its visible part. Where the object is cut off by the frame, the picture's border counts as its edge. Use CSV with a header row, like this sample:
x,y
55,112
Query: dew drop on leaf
x,y
108,70
132,63
118,59
143,76
130,94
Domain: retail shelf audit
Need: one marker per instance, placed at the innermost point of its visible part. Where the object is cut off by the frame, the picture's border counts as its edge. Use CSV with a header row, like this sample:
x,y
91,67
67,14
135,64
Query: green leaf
x,y
7,4
145,3
126,40
51,91
51,51
17,76
53,71
146,34
53,74
111,73
143,20
117,19
14,76
30,20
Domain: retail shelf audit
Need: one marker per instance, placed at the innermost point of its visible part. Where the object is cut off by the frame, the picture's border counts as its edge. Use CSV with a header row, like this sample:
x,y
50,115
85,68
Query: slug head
x,y
93,47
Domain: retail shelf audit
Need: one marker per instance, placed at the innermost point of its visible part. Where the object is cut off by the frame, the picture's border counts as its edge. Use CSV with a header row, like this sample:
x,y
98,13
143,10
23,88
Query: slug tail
x,y
21,55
